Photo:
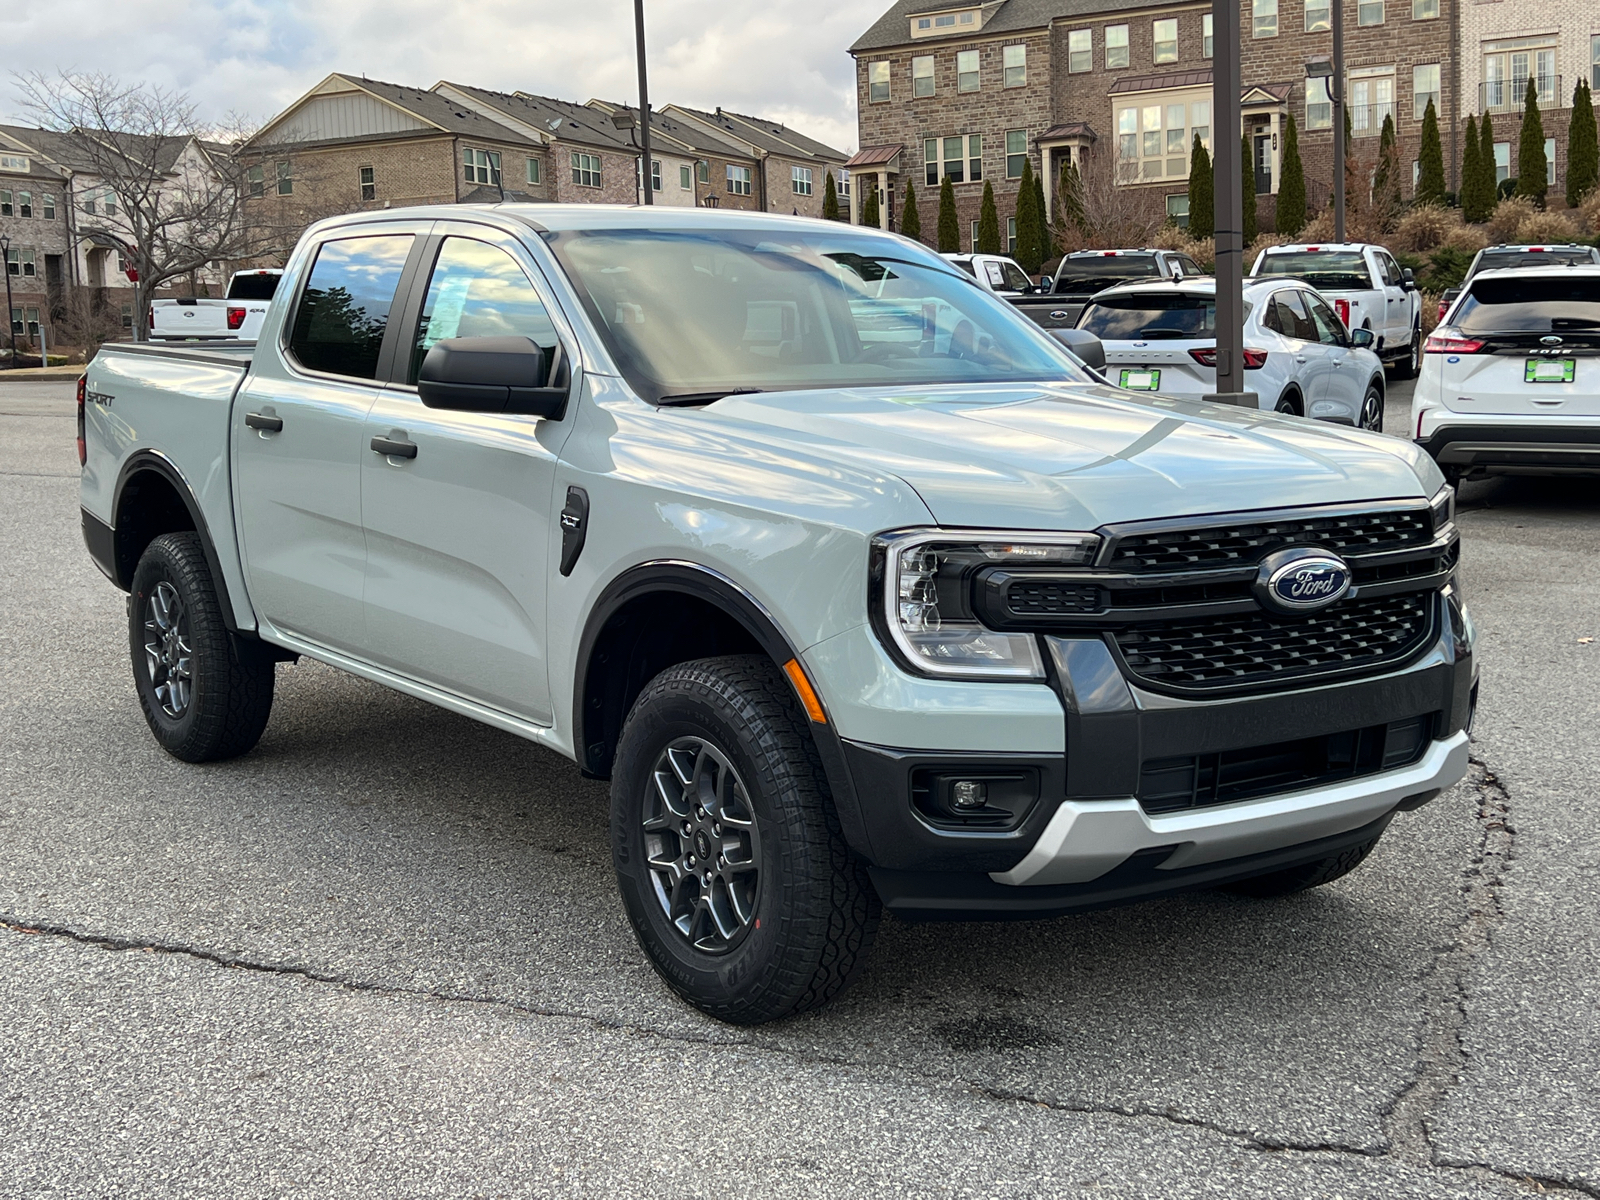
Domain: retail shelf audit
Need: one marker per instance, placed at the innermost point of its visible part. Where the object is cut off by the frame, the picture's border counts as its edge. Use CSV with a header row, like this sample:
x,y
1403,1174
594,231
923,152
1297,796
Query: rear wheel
x,y
1303,877
1409,366
729,856
1372,409
1289,403
206,694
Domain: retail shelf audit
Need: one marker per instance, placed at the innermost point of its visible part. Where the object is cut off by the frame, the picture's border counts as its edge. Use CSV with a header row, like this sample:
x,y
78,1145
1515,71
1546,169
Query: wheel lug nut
x,y
686,829
691,860
708,878
716,829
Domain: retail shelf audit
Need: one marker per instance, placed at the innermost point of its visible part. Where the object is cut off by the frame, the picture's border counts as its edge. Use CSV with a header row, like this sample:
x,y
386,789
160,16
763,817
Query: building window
x,y
1594,62
973,244
738,180
922,76
1319,17
702,171
1178,210
1264,22
13,162
967,71
877,83
285,183
585,169
87,206
1208,41
1502,161
1507,68
369,184
1369,12
655,175
1116,46
6,204
1319,105
1424,10
800,180
1011,235
20,262
48,204
1550,161
108,200
1371,100
1154,140
127,316
685,180
844,187
1015,61
25,204
1016,152
25,322
255,179
1165,35
535,170
962,159
1424,87
1080,51
481,166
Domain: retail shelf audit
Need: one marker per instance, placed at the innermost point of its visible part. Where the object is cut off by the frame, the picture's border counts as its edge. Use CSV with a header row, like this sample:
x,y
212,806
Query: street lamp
x,y
11,325
1228,208
1331,71
644,103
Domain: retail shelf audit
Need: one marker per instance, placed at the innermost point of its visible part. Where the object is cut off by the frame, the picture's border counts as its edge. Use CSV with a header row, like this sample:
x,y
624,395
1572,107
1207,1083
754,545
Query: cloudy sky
x,y
252,57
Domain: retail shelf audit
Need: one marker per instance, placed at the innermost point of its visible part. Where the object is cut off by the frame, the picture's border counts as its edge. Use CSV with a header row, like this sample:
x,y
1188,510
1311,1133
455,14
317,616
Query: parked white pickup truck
x,y
858,588
236,317
1366,287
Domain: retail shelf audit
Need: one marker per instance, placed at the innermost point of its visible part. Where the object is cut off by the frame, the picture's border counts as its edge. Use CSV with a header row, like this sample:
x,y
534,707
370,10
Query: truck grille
x,y
1201,780
1242,543
1261,648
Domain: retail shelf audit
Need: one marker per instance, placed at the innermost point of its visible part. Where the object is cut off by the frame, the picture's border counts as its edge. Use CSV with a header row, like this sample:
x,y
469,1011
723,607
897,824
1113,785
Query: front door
x,y
1263,158
298,444
1290,317
459,534
1347,377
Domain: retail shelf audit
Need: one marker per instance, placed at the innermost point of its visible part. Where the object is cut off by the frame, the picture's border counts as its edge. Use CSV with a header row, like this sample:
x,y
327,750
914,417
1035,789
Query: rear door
x,y
1529,346
459,535
297,438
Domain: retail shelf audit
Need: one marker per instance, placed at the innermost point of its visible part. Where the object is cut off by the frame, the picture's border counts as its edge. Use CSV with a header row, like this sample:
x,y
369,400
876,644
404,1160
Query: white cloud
x,y
252,57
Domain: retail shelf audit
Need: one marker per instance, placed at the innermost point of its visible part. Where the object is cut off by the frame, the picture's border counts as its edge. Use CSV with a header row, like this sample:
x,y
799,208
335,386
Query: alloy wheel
x,y
701,845
1372,412
168,659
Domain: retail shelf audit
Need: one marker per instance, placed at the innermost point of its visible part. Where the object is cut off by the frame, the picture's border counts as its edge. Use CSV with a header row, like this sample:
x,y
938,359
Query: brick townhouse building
x,y
789,169
971,91
690,166
34,202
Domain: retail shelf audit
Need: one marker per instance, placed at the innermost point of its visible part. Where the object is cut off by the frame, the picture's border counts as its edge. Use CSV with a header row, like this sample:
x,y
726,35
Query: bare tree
x,y
85,320
178,194
1108,212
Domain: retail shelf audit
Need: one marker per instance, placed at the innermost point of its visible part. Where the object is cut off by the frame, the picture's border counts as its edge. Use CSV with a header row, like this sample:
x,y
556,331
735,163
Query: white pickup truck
x,y
1366,287
238,316
861,591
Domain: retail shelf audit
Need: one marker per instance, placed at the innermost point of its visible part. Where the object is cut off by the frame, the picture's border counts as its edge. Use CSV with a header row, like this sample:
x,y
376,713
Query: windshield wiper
x,y
696,399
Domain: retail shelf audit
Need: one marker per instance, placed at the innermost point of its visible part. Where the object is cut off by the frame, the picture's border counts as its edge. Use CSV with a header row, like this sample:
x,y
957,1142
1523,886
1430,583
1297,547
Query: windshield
x,y
1492,260
1530,305
253,287
699,313
1344,270
1157,317
1095,272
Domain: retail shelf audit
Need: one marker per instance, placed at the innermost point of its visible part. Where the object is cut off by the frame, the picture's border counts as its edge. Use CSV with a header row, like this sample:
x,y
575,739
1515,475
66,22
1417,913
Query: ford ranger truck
x,y
860,591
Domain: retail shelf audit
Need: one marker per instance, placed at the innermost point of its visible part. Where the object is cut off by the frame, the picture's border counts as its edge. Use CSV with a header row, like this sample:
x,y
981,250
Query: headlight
x,y
924,579
1443,505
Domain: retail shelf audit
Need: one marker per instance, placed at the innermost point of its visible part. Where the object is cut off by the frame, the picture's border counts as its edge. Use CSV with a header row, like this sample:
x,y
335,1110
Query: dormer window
x,y
944,24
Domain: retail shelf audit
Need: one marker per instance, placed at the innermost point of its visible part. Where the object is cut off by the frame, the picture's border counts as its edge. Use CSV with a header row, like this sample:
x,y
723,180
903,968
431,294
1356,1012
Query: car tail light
x,y
1452,343
152,316
1206,356
236,318
1342,307
1443,305
83,393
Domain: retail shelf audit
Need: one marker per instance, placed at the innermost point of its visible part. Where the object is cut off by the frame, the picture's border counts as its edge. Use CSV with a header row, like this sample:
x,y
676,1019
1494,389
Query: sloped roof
x,y
66,149
771,136
561,119
893,28
874,156
1068,129
692,136
439,110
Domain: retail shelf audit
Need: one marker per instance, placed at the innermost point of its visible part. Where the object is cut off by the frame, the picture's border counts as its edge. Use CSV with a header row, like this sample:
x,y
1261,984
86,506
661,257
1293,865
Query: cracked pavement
x,y
382,955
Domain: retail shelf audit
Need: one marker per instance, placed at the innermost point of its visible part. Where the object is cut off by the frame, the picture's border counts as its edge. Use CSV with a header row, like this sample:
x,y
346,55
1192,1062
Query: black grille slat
x,y
1246,542
1261,648
1046,597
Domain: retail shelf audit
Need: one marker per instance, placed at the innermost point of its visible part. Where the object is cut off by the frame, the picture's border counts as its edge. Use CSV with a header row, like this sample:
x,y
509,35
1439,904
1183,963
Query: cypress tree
x,y
1047,241
830,199
869,207
1202,196
949,227
1027,255
1247,181
911,219
1471,204
1430,160
1072,197
988,223
1532,167
1486,167
1583,146
1383,176
1291,183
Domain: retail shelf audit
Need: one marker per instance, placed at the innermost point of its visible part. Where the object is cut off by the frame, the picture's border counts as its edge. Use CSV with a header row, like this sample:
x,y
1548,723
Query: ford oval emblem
x,y
1550,341
1301,580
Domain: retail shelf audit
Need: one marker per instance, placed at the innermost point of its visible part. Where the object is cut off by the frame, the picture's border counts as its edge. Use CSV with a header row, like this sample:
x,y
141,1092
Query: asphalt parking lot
x,y
382,955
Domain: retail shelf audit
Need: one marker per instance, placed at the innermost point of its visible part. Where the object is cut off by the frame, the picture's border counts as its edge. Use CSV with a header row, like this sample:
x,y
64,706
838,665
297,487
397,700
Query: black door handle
x,y
264,423
393,448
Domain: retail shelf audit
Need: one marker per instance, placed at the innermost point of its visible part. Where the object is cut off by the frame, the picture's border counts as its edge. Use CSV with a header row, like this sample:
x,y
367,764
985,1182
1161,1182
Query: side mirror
x,y
495,375
1088,348
1408,280
1361,339
1044,284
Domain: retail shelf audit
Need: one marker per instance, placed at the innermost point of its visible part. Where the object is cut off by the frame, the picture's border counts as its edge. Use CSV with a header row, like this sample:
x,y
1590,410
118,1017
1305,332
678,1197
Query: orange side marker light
x,y
807,694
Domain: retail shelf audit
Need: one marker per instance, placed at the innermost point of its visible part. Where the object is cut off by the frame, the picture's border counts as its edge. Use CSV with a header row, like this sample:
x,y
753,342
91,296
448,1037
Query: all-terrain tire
x,y
225,681
1303,877
808,911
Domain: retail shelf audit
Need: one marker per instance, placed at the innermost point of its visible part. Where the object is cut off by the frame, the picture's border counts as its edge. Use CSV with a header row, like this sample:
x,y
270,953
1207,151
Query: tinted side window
x,y
344,311
1293,319
1330,330
478,290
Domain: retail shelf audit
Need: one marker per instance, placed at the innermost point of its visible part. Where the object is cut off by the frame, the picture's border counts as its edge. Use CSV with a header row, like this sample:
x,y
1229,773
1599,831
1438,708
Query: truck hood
x,y
1077,456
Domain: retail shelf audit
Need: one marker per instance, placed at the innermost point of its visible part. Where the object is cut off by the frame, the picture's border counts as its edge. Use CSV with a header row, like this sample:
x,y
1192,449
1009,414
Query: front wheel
x,y
1411,365
729,856
1304,877
1372,409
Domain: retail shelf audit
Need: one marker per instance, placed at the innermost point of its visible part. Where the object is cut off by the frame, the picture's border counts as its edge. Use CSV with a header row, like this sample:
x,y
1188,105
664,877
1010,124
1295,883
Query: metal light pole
x,y
1336,94
1228,210
644,105
11,326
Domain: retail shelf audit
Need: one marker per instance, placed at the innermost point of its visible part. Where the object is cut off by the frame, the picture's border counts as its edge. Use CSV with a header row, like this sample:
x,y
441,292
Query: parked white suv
x,y
1511,385
1366,287
1298,356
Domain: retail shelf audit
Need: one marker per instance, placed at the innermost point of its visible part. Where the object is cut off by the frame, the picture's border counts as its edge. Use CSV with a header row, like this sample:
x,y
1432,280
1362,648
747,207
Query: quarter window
x,y
1080,51
478,291
343,314
1264,19
585,169
877,83
369,185
1116,46
1015,60
967,71
922,75
1016,152
1165,35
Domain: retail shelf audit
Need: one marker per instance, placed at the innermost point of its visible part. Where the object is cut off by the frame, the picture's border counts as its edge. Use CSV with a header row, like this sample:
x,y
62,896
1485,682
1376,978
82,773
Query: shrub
x,y
1547,227
1424,228
1447,266
988,220
949,228
830,199
1507,189
1583,146
1203,251
1468,239
1291,216
1589,212
1202,198
1430,309
1247,185
1532,168
910,219
1319,228
1508,218
1430,161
